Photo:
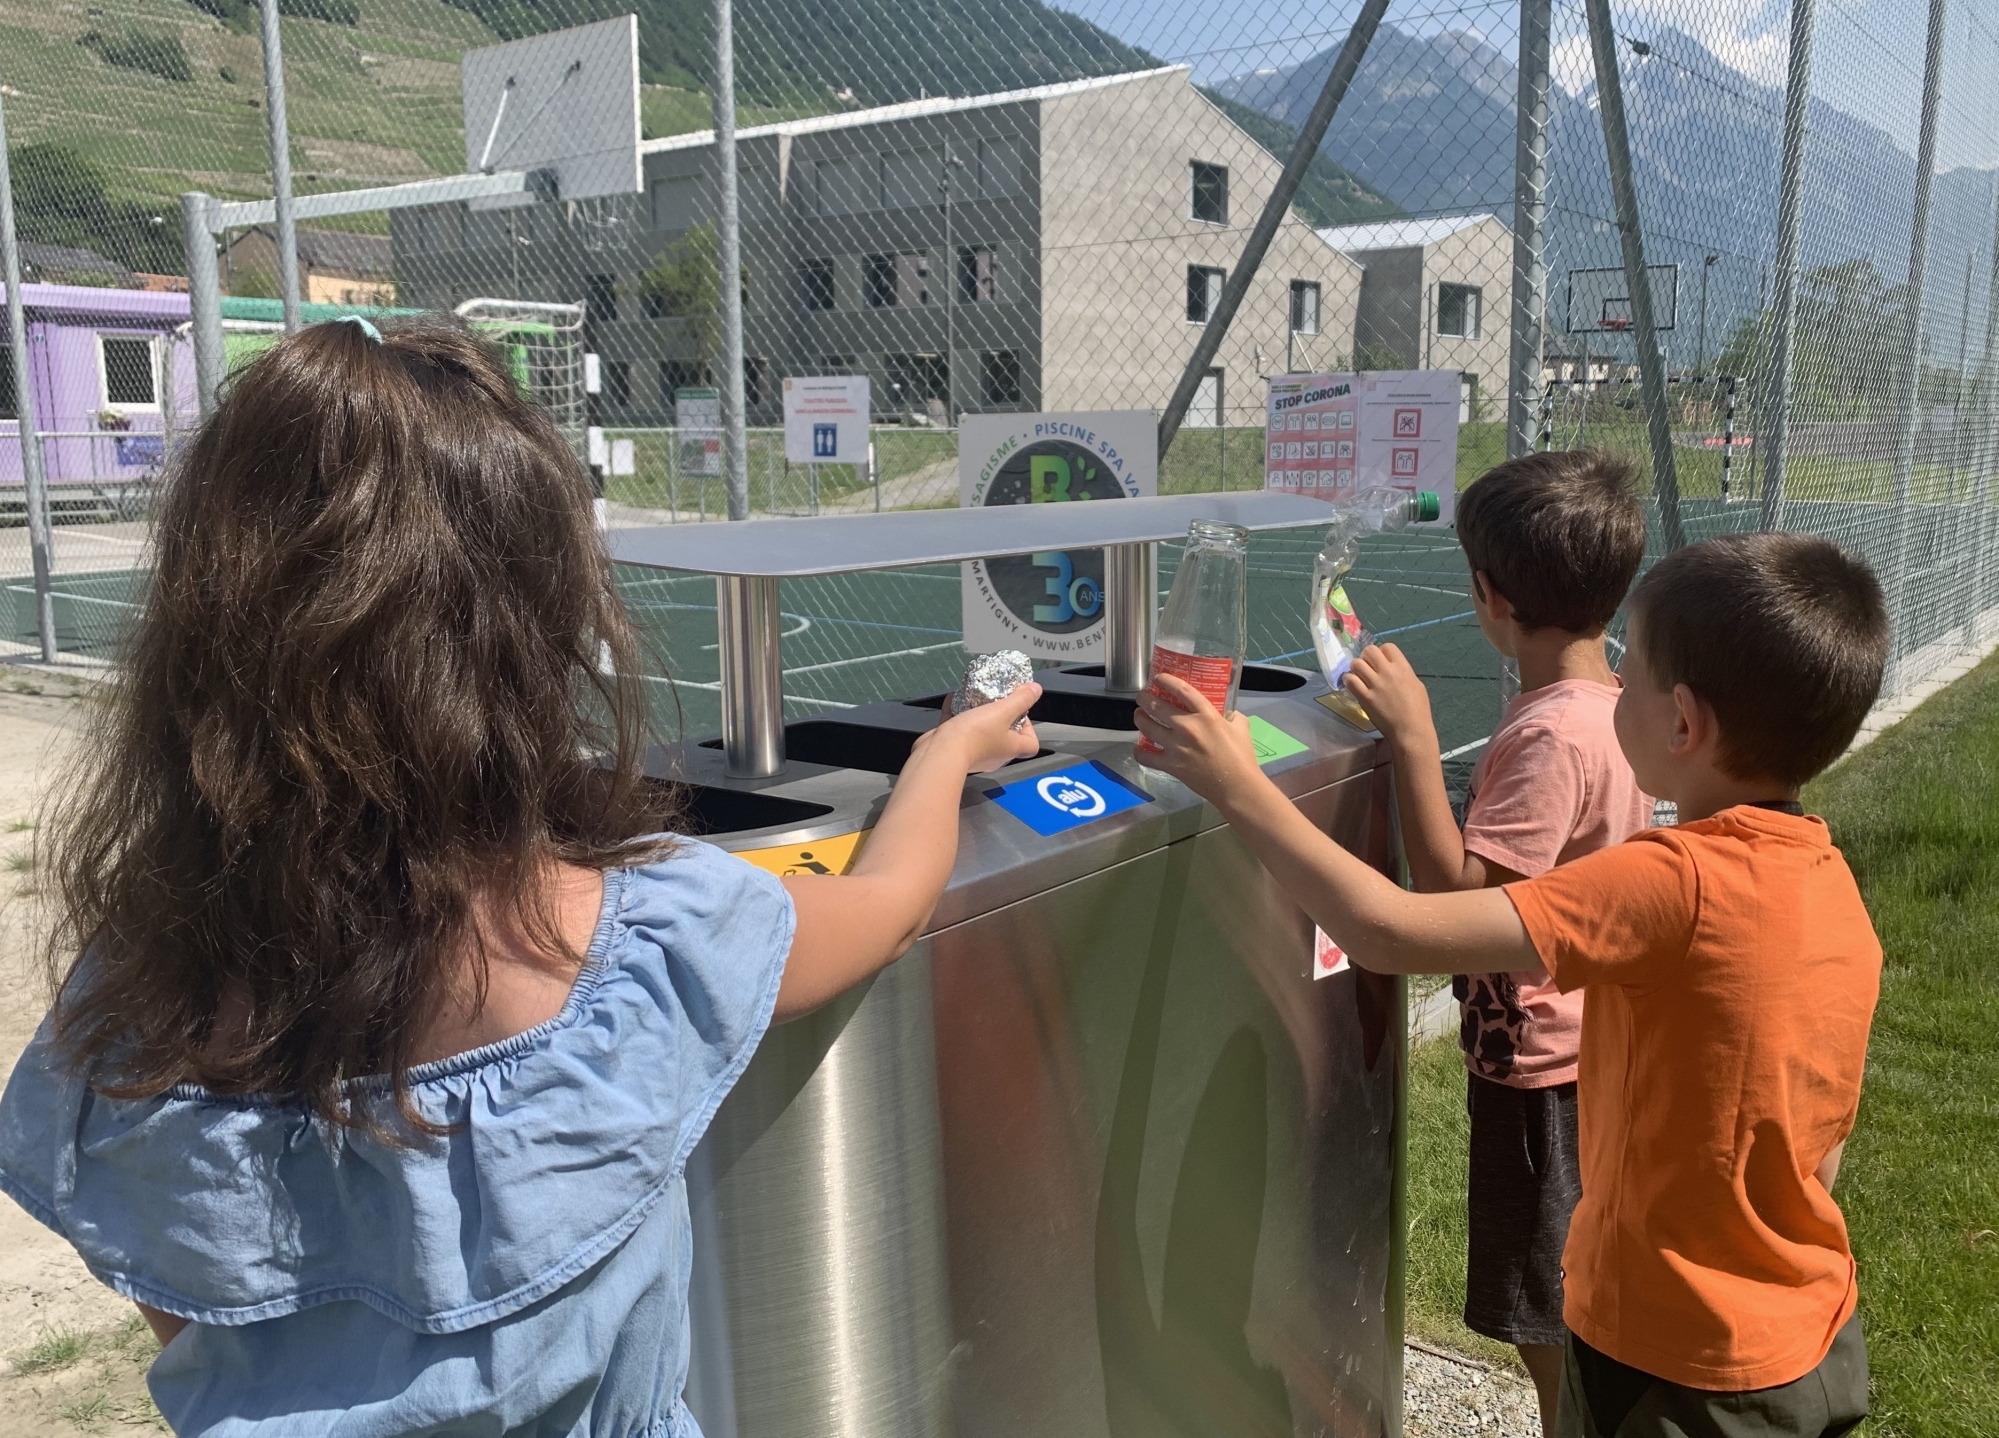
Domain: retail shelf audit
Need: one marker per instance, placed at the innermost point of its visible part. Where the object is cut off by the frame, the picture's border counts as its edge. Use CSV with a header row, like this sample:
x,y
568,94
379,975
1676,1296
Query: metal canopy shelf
x,y
842,544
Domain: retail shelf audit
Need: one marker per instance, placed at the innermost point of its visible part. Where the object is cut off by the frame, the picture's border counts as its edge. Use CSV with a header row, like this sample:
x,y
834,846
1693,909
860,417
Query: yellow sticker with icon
x,y
832,855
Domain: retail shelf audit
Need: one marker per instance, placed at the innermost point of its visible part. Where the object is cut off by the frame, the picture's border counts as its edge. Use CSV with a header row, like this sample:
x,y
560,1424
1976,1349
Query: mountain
x,y
1429,124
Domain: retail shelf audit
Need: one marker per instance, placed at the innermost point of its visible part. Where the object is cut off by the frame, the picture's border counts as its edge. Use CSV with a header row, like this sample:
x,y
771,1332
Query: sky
x,y
1867,55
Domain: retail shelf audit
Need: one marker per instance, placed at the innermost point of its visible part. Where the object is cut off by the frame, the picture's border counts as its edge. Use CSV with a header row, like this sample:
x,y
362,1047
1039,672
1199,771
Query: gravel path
x,y
1446,1396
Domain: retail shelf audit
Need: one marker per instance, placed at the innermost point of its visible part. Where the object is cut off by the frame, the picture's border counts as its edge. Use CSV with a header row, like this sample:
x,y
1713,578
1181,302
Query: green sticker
x,y
1271,742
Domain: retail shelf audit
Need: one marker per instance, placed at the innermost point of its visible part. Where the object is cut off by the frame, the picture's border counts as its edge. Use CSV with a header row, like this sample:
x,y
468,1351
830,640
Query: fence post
x,y
1274,210
1530,210
281,164
34,481
1645,333
1790,217
204,300
729,268
1912,340
1988,450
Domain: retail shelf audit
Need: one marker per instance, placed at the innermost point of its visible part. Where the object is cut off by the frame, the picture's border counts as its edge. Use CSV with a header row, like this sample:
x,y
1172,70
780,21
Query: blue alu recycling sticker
x,y
1054,803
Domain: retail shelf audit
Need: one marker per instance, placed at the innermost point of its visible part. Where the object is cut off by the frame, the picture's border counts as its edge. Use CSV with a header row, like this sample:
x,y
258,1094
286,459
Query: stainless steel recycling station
x,y
1100,1157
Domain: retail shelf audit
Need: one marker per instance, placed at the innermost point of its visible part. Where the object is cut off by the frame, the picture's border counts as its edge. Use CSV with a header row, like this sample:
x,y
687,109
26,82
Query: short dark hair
x,y
1559,534
1785,635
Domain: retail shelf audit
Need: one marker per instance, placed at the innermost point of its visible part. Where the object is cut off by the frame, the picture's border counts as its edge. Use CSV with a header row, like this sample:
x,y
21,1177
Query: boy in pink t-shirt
x,y
1553,541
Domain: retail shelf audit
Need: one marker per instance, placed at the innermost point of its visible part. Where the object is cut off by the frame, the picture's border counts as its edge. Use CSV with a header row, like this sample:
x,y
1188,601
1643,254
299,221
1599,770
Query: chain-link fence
x,y
1004,206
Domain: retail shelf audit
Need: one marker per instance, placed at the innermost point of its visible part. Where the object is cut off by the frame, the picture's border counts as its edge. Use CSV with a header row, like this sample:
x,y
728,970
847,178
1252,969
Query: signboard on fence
x,y
1332,435
826,419
697,414
1048,605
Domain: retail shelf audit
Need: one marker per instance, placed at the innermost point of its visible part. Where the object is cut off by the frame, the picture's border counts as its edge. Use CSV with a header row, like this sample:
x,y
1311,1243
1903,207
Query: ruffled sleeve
x,y
559,1141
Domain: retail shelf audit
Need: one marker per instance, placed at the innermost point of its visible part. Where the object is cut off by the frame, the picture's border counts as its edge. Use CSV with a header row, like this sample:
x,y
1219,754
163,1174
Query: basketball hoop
x,y
1616,324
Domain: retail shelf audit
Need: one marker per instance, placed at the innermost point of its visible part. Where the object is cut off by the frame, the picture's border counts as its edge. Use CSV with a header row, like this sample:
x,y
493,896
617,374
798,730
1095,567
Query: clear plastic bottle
x,y
1337,633
1204,628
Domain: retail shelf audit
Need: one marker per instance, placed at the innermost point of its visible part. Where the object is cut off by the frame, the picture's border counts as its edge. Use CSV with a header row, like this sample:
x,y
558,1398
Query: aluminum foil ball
x,y
992,676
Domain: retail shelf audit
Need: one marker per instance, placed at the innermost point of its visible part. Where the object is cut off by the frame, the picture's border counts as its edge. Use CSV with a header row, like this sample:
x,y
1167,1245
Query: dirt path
x,y
72,1353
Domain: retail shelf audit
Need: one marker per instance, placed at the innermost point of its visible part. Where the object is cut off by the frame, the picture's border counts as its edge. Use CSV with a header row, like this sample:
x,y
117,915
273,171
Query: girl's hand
x,y
984,738
1385,683
1211,755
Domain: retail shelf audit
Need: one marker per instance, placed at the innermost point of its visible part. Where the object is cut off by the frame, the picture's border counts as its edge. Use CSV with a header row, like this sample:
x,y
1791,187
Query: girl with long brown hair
x,y
387,1010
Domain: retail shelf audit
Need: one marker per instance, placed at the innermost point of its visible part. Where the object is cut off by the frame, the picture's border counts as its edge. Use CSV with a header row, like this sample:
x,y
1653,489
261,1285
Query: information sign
x,y
826,419
1049,605
1333,435
698,415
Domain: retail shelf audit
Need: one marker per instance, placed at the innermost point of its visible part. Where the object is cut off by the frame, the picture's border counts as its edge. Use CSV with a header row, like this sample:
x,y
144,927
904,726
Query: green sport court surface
x,y
892,634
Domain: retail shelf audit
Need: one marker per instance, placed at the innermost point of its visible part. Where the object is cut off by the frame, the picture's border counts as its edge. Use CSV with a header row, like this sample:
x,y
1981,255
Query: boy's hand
x,y
1209,754
1387,687
984,737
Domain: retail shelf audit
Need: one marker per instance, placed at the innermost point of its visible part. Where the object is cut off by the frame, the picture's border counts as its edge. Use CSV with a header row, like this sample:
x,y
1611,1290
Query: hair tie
x,y
367,326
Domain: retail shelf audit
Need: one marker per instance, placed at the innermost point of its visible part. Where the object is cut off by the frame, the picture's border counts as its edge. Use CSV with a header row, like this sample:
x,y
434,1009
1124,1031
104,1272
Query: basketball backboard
x,y
566,101
1600,300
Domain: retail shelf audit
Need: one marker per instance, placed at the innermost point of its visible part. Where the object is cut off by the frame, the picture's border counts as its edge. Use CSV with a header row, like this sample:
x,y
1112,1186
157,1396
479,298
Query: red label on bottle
x,y
1209,673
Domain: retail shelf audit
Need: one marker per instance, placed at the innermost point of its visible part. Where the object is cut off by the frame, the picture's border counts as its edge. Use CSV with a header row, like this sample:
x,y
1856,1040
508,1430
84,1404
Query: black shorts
x,y
1524,1185
1602,1398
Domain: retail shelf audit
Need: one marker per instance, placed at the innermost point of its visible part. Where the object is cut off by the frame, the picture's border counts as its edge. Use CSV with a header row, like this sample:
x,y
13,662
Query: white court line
x,y
804,623
1463,749
871,658
716,688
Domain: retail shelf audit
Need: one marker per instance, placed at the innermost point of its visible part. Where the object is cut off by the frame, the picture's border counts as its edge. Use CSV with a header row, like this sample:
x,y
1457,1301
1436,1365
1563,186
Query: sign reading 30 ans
x,y
1049,605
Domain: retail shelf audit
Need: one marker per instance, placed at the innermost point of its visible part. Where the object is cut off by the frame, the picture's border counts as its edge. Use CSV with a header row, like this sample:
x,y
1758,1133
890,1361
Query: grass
x,y
1917,815
56,1349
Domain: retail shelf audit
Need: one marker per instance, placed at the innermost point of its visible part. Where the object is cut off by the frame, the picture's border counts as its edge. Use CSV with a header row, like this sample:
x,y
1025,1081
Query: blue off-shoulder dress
x,y
525,1273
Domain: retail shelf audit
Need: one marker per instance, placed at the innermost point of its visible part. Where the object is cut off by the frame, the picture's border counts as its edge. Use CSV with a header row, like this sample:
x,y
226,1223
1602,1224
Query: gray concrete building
x,y
1052,248
1437,294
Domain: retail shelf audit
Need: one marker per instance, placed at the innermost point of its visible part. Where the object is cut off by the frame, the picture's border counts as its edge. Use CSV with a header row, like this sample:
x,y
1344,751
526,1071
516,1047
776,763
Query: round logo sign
x,y
1071,796
1056,592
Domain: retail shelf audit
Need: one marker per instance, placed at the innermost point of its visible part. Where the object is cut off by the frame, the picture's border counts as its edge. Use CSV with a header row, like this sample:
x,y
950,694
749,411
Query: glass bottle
x,y
1337,632
1204,628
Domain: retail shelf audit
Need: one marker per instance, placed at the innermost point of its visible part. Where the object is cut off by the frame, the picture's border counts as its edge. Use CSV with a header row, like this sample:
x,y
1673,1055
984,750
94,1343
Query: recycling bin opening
x,y
870,747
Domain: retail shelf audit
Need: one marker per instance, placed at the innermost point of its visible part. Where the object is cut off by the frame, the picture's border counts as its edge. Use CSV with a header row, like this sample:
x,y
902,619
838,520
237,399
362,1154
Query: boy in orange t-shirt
x,y
1731,974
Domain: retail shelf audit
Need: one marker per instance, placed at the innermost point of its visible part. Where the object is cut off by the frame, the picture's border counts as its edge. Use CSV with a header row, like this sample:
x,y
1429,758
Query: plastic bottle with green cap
x,y
1337,632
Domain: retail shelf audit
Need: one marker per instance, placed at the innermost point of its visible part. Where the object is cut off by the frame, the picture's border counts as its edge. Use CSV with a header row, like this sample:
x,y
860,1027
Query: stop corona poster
x,y
1332,435
1048,605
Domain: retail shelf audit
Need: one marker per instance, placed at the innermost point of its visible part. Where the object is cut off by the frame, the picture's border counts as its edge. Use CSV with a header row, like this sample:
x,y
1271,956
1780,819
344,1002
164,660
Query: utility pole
x,y
1530,212
1700,349
281,164
34,481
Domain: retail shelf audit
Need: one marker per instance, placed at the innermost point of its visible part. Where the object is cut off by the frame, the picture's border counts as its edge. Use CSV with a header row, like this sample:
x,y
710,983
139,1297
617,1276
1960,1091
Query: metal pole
x,y
204,300
1651,368
34,481
1274,211
281,164
1128,616
950,302
729,264
1700,347
746,611
1530,215
1981,486
1912,339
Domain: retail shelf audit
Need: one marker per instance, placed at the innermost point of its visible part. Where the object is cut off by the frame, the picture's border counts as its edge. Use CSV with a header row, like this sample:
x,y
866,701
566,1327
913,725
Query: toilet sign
x,y
826,419
1049,605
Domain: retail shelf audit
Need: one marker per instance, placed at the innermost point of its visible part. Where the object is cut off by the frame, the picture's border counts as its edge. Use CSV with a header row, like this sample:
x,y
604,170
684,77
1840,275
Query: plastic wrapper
x,y
992,676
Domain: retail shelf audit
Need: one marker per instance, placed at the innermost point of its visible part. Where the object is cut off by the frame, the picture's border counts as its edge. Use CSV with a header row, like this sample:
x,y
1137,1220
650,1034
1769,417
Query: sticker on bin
x,y
1053,803
1328,958
834,854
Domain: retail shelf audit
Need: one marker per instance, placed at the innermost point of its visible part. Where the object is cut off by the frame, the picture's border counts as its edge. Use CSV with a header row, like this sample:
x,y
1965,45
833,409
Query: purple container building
x,y
113,379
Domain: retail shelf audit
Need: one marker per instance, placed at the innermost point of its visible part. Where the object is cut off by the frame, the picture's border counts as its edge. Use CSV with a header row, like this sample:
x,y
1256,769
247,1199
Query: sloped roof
x,y
52,263
1400,234
907,110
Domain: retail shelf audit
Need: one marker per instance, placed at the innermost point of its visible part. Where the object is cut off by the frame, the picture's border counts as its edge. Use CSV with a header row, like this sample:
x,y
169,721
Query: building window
x,y
1206,410
915,380
1208,199
1204,292
7,406
131,376
975,274
1304,307
677,375
999,377
753,380
618,383
836,364
600,293
815,284
999,169
1458,311
895,281
848,187
913,180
